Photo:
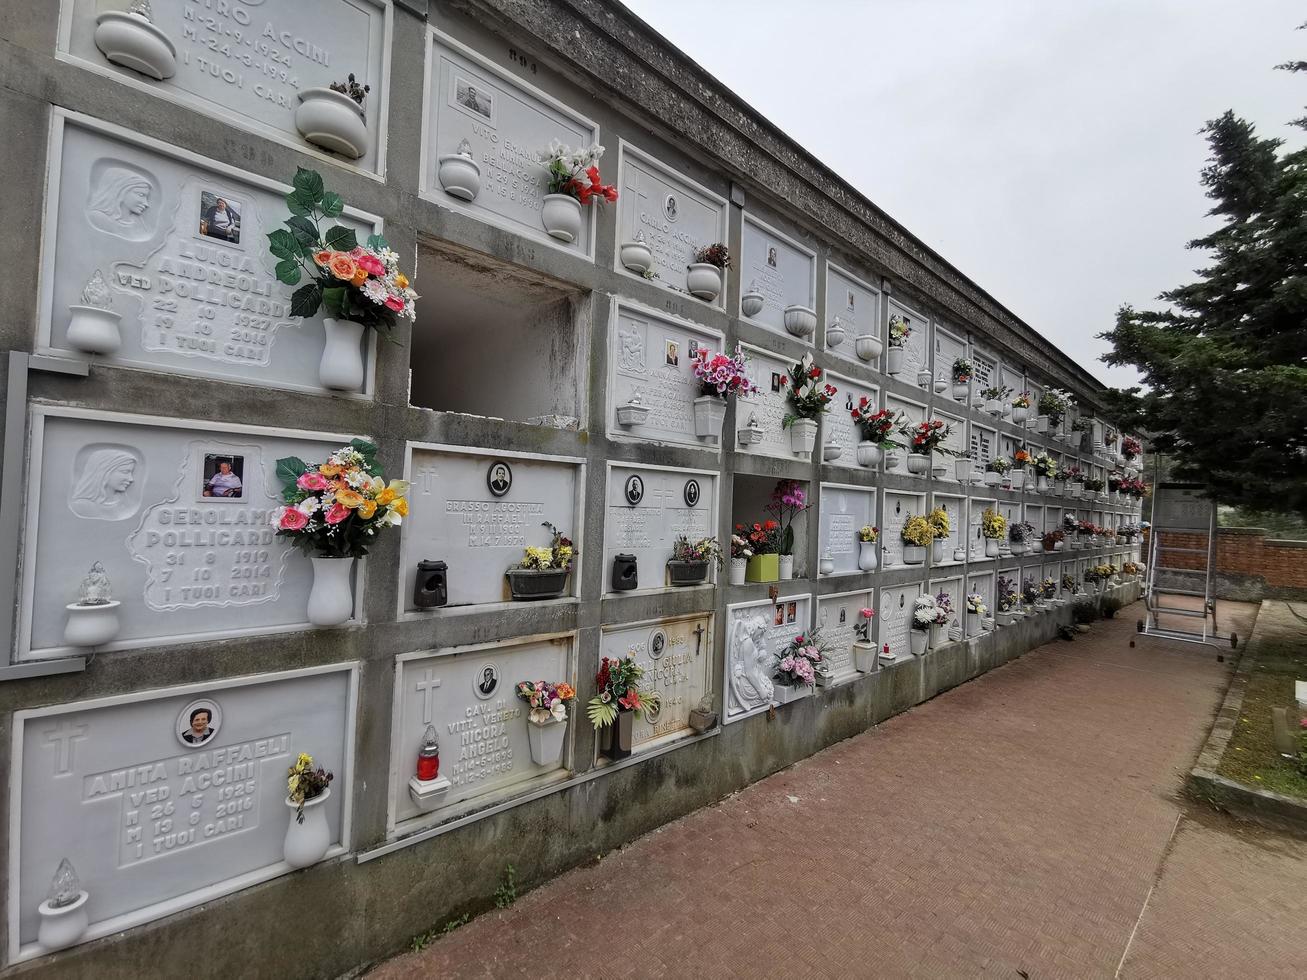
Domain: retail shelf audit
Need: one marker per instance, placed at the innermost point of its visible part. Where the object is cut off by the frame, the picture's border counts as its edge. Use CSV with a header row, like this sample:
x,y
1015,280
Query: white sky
x,y
1048,150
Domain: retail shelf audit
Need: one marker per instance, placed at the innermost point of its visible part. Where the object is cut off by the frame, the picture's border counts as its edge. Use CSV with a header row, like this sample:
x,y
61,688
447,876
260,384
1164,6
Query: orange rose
x,y
342,266
359,277
323,257
349,498
326,469
367,509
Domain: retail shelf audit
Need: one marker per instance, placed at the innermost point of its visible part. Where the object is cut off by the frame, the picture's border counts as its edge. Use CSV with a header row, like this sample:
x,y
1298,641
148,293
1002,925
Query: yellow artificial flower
x,y
326,469
367,509
348,498
401,487
385,496
401,280
400,507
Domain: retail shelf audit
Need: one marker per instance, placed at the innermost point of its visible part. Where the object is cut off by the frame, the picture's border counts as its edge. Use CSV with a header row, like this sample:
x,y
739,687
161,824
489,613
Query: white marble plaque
x,y
675,215
838,426
842,512
247,61
984,584
677,658
785,273
975,537
948,348
507,122
481,724
857,305
648,509
155,816
916,352
1011,513
898,508
137,495
953,588
983,445
954,507
1035,517
913,412
189,299
756,633
650,357
1012,377
895,616
768,406
478,511
838,616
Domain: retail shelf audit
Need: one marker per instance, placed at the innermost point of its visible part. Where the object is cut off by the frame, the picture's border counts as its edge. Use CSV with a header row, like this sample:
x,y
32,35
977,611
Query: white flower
x,y
277,516
308,506
559,710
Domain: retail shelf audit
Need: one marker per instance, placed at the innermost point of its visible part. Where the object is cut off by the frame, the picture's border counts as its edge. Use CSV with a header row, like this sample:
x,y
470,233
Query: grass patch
x,y
1250,758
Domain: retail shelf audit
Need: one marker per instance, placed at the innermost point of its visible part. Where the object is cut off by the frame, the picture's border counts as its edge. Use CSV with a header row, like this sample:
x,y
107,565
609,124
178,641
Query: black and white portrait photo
x,y
473,99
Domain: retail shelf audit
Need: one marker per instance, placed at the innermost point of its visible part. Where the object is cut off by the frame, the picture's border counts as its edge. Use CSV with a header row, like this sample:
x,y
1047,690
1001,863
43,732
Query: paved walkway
x,y
1026,824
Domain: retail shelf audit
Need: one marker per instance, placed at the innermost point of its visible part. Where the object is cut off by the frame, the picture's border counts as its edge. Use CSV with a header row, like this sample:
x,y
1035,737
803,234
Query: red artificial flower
x,y
631,701
593,174
784,380
815,372
610,194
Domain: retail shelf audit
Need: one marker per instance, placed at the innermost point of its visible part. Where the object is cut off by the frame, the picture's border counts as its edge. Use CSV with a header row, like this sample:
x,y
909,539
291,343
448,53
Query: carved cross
x,y
427,688
62,737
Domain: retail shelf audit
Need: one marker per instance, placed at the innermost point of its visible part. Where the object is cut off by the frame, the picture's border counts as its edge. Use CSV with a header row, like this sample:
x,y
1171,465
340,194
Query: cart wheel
x,y
1234,640
1139,625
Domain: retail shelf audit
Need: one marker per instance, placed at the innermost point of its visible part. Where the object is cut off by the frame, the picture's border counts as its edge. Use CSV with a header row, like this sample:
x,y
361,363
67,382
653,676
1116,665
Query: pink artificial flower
x,y
337,513
394,303
787,665
312,481
292,519
866,613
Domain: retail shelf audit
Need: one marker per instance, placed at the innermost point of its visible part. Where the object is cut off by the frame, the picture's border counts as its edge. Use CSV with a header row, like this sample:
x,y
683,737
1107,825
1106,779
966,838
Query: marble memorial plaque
x,y
785,273
1009,446
838,427
975,538
987,373
838,617
247,61
756,633
675,216
954,507
856,305
767,407
895,616
956,441
952,587
178,513
648,509
842,512
650,358
481,723
948,348
1035,517
983,443
507,122
898,508
130,225
984,584
1012,377
677,658
478,511
916,352
157,813
913,412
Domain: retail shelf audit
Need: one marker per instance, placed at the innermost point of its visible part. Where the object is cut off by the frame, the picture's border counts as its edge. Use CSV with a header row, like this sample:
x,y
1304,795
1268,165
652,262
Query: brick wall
x,y
1249,565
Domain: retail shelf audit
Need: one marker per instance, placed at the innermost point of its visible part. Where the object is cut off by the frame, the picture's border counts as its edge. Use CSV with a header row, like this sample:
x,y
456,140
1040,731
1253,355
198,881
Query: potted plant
x,y
1021,408
1131,448
976,611
1045,469
924,439
923,618
1048,588
1114,486
995,471
868,538
690,560
719,377
993,527
1030,594
917,536
867,346
752,301
875,428
835,333
636,255
1007,601
1020,459
358,286
797,665
572,181
943,616
1048,405
130,39
809,397
940,528
612,711
788,501
93,324
1093,486
333,118
1068,584
307,836
800,321
333,512
993,399
741,552
542,572
1054,540
703,277
1019,536
764,540
963,372
865,657
1075,481
93,618
546,724
899,332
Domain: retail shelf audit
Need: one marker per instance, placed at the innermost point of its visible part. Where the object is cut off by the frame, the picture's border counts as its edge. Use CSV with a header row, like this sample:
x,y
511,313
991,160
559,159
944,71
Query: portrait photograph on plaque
x,y
224,477
220,217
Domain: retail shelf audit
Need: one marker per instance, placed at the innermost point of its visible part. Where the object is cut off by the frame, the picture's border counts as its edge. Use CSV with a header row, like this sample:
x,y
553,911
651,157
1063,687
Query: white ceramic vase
x,y
704,280
800,321
132,41
803,436
991,547
917,640
914,554
333,121
561,216
1019,414
867,346
636,256
751,304
868,555
307,842
546,741
937,550
709,413
93,330
869,454
91,626
459,175
918,463
894,360
341,367
331,600
786,567
738,568
835,334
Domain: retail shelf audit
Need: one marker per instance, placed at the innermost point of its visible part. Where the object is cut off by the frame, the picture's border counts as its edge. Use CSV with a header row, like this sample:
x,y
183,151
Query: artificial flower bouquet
x,y
305,782
1020,459
558,555
576,173
928,437
740,546
1053,538
1022,400
1008,598
808,394
1048,588
716,254
876,426
548,700
862,628
996,393
788,501
1045,465
799,662
1054,403
943,609
976,604
924,612
335,509
359,283
917,531
1094,485
963,371
705,551
899,331
722,376
993,525
868,533
1069,584
939,522
1030,593
1020,532
1131,448
618,683
998,465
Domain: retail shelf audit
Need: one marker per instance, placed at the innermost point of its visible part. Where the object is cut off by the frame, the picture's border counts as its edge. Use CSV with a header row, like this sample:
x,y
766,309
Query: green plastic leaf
x,y
340,238
282,244
296,204
304,230
288,271
332,204
306,300
290,468
309,184
377,242
333,298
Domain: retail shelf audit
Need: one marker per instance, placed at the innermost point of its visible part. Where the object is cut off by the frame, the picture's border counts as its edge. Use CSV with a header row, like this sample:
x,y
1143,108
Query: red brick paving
x,y
1013,824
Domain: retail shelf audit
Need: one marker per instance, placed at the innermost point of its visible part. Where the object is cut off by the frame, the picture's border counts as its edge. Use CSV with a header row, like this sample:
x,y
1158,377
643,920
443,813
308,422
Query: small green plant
x,y
1111,605
506,893
425,939
1084,612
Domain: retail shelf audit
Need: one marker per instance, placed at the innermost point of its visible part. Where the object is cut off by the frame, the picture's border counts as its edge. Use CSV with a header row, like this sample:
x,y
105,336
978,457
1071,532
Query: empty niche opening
x,y
497,341
754,500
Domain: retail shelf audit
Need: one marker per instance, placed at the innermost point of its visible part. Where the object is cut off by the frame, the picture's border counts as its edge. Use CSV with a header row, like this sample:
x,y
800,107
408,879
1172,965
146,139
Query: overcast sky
x,y
1048,150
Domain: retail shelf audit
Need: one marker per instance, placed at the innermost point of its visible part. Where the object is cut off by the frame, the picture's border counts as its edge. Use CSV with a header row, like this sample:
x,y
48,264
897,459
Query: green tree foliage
x,y
1225,364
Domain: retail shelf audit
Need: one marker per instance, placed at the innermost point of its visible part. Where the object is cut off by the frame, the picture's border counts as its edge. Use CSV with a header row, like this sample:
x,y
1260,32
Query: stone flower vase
x,y
709,414
894,360
341,367
333,121
936,635
561,216
974,625
800,321
546,739
93,330
307,842
894,459
331,600
785,567
835,333
868,555
636,256
867,346
869,454
913,554
91,625
704,280
803,436
991,547
937,550
865,657
917,640
751,303
918,463
738,567
132,41
459,175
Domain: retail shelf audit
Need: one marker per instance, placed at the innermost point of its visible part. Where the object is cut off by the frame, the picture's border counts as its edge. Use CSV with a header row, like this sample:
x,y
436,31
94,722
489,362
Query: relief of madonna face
x,y
100,489
118,203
